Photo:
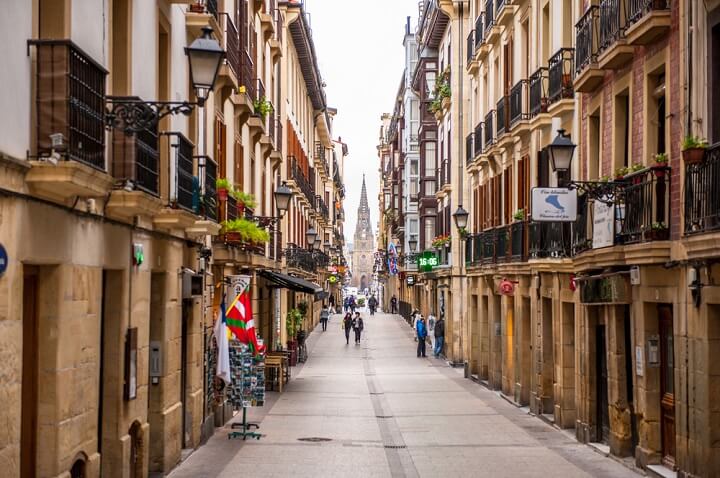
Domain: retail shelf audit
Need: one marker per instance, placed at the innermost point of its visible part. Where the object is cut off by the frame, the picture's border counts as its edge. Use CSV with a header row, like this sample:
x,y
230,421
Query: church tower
x,y
363,257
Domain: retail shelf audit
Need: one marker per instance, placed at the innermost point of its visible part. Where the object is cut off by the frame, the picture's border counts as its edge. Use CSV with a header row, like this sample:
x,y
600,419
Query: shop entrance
x,y
603,413
548,380
28,427
185,436
667,385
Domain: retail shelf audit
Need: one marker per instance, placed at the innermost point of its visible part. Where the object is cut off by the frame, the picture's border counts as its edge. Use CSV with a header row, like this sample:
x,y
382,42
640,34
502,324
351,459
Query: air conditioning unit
x,y
192,285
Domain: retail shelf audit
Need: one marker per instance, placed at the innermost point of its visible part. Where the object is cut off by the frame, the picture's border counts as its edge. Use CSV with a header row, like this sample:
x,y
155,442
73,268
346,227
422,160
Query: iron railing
x,y
208,170
581,239
478,139
647,206
279,135
586,39
470,46
469,142
560,73
519,109
538,92
501,117
137,157
502,241
321,207
636,9
479,30
184,177
298,175
612,22
499,5
247,74
489,16
489,131
299,258
549,240
70,100
702,193
212,8
488,241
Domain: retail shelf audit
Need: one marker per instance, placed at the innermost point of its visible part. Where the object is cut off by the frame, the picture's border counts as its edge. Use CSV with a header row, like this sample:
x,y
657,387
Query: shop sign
x,y
410,280
332,269
554,204
3,260
507,287
603,225
612,289
332,279
427,261
639,366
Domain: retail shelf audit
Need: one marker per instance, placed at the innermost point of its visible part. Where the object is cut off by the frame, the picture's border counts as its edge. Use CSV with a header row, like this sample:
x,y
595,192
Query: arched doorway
x,y
78,469
136,450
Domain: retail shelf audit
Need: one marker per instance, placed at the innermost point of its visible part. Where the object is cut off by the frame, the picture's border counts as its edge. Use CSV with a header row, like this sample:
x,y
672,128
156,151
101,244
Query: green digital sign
x,y
427,261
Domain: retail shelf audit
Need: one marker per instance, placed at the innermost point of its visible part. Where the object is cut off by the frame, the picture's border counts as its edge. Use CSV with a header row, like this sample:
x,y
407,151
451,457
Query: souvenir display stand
x,y
247,388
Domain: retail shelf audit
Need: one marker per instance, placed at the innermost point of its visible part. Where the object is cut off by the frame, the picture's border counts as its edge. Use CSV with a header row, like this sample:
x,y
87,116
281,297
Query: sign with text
x,y
427,261
554,204
603,225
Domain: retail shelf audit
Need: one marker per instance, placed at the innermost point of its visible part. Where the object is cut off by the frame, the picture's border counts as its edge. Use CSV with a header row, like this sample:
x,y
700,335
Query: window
x,y
430,158
430,188
621,124
714,76
429,232
594,163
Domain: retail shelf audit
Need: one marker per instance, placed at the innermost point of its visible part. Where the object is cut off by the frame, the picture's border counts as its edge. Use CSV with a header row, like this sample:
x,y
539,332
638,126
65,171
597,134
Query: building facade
x,y
603,324
118,240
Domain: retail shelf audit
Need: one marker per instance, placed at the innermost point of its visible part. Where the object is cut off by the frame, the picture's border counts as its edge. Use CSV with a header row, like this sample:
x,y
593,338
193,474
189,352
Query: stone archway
x,y
136,458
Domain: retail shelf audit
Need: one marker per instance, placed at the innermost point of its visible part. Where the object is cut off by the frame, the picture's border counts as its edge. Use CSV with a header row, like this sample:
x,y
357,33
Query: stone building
x,y
363,253
117,241
604,325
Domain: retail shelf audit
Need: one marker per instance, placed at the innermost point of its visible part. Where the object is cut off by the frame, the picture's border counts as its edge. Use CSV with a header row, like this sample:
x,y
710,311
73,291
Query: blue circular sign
x,y
3,260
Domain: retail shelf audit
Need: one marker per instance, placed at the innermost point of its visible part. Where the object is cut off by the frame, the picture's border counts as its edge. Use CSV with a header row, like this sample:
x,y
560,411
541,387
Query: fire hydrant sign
x,y
554,204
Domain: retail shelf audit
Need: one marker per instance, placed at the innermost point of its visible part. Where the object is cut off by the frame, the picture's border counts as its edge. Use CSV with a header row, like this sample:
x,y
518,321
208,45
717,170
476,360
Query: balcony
x,y
505,11
183,187
549,240
478,140
299,258
207,169
702,193
560,79
501,117
646,206
471,64
301,181
489,131
322,208
581,230
519,106
647,21
491,31
481,47
587,74
539,94
613,50
232,48
469,154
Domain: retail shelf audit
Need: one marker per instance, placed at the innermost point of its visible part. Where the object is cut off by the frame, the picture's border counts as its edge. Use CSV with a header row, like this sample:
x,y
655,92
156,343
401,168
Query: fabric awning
x,y
293,283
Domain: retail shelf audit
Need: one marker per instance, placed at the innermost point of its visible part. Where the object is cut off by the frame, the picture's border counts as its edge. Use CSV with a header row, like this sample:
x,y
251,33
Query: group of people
x,y
433,328
354,323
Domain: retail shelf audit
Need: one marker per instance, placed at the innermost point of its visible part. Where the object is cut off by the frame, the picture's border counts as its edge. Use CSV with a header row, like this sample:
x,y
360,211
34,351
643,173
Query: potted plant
x,y
519,215
636,168
661,161
659,231
263,107
244,200
693,149
197,7
463,233
292,322
620,173
223,188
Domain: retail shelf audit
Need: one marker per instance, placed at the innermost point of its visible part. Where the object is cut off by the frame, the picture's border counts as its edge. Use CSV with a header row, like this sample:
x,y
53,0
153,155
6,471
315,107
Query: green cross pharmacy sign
x,y
427,261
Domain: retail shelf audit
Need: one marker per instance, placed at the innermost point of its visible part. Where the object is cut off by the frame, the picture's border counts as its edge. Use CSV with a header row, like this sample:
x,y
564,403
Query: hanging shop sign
x,y
507,287
3,260
332,279
554,204
427,261
332,269
603,225
410,280
613,289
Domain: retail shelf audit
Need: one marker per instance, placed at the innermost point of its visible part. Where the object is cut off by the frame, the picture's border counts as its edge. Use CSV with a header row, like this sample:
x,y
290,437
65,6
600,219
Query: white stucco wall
x,y
89,28
144,49
16,25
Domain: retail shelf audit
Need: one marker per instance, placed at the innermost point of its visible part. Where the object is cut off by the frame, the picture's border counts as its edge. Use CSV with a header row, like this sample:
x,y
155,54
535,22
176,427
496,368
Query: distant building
x,y
363,245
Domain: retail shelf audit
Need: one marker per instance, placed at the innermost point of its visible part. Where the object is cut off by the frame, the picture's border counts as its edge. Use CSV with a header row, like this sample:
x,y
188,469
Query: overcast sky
x,y
359,48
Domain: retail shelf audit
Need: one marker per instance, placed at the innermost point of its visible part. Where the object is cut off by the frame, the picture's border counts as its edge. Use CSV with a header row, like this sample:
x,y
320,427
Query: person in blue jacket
x,y
421,330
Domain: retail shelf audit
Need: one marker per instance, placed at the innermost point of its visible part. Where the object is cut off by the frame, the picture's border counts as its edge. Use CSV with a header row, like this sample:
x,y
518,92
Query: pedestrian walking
x,y
346,304
421,336
358,326
347,325
414,317
393,304
324,317
431,322
439,337
353,304
372,304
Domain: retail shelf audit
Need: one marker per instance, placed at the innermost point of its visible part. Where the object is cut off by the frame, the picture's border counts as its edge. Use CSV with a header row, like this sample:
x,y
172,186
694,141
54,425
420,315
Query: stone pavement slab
x,y
387,413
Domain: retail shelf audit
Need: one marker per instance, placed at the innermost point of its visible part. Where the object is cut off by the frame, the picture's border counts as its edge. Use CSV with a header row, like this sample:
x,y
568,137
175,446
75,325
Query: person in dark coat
x,y
393,304
347,325
439,337
358,326
324,317
372,304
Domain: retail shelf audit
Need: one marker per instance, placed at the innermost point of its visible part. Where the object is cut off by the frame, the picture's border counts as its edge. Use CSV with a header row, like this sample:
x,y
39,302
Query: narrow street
x,y
383,412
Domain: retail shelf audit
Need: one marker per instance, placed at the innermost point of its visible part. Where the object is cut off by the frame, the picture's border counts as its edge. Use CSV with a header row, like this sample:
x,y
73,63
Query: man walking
x,y
347,325
393,304
421,336
324,316
372,304
439,337
358,326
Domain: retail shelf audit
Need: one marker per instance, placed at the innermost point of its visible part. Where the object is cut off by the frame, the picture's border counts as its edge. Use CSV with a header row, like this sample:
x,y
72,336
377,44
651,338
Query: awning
x,y
293,283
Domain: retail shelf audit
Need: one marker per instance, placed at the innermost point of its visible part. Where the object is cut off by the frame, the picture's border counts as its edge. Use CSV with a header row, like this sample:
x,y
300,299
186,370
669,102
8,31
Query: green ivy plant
x,y
247,199
248,230
519,215
263,107
223,183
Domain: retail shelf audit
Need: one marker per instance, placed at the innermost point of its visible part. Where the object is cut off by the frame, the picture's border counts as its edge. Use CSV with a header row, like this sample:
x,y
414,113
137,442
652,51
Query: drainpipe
x,y
460,163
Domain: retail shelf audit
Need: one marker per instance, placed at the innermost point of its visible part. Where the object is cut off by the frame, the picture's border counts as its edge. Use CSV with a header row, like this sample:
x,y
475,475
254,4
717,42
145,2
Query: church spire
x,y
363,229
363,197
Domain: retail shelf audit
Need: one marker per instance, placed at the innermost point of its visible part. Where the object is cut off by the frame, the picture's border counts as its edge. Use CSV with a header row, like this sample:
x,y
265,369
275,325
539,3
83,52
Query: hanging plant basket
x,y
222,194
693,155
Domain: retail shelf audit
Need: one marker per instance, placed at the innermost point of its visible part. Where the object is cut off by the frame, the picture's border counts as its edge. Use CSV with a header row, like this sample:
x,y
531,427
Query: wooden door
x,y
28,430
603,411
667,385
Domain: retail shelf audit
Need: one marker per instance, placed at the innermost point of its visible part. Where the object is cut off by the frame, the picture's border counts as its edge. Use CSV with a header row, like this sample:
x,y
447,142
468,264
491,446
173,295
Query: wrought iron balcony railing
x,y
612,22
586,38
183,189
488,241
70,100
637,9
470,46
299,258
232,46
212,8
302,182
469,142
549,240
581,239
136,158
702,193
646,196
560,72
478,139
321,207
489,130
247,74
489,15
519,102
479,22
207,168
538,92
501,117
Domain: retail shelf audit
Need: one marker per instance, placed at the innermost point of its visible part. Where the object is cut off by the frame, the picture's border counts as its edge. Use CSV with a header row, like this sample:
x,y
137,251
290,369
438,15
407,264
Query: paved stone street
x,y
388,413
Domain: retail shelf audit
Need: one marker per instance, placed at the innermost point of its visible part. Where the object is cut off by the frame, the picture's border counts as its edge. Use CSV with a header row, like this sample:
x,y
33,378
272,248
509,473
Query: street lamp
x,y
318,242
283,194
205,56
461,217
310,236
561,152
413,242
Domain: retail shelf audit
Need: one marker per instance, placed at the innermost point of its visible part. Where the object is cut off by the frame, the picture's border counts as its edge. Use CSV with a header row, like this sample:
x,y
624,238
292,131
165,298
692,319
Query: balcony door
x,y
667,385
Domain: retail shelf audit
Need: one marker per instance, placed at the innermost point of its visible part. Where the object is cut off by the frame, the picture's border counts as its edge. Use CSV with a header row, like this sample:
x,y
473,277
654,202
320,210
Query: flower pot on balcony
x,y
197,8
693,155
233,237
659,234
544,105
659,173
222,194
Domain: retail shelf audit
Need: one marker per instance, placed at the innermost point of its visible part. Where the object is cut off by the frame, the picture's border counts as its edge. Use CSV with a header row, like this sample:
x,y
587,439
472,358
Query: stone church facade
x,y
364,245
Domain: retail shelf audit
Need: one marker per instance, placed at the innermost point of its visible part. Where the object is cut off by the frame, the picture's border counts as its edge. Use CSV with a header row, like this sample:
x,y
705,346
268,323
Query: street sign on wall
x,y
603,225
554,204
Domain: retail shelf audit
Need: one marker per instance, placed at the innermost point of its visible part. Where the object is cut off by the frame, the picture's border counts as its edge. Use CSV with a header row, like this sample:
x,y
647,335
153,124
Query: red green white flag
x,y
239,315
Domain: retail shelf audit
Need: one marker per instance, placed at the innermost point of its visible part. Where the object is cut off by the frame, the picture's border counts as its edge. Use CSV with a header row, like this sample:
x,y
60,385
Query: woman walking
x,y
358,326
347,325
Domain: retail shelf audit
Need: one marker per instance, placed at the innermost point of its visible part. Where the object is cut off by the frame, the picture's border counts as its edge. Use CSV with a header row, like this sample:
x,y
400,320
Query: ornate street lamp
x,y
310,236
283,194
204,56
561,152
413,242
461,217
